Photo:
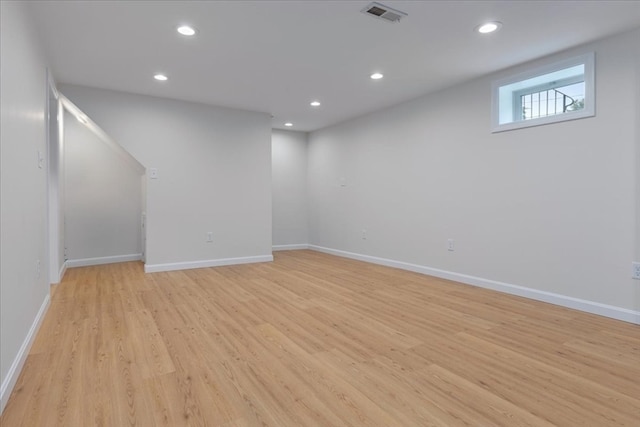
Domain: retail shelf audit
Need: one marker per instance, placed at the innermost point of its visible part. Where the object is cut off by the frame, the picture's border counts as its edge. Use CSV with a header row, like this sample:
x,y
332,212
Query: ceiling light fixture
x,y
377,76
186,30
315,103
489,27
288,124
161,77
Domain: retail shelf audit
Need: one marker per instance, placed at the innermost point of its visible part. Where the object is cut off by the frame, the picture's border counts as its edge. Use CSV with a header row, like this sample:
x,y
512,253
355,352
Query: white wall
x,y
549,208
214,167
103,197
23,193
289,182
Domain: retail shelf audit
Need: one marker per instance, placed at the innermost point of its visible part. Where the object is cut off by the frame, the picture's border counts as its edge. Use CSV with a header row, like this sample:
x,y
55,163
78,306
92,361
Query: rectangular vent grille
x,y
381,11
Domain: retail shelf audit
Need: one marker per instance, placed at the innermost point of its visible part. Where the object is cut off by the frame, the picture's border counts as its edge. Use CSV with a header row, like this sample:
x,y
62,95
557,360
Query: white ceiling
x,y
277,56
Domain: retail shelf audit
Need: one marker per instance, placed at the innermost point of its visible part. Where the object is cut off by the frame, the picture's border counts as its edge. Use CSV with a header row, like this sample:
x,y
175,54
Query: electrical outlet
x,y
209,237
37,269
450,245
635,272
364,234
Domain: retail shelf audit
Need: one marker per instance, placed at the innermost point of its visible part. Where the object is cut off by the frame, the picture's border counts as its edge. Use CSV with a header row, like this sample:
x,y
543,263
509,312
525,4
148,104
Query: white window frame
x,y
504,114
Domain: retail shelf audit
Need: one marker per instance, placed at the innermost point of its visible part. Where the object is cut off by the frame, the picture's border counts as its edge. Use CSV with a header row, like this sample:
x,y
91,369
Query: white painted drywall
x,y
550,208
23,191
214,173
289,187
103,197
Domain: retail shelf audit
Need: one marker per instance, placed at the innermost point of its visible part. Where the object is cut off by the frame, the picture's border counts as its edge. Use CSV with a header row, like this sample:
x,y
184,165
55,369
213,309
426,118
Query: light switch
x,y
153,173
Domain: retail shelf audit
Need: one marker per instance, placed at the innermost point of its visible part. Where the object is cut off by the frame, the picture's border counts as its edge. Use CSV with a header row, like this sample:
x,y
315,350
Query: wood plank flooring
x,y
316,340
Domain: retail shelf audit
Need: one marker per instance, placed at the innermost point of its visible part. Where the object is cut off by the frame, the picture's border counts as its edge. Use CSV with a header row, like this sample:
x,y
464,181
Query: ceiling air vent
x,y
381,11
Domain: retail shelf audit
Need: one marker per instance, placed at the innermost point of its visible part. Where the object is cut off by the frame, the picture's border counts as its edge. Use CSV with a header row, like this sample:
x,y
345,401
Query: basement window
x,y
553,93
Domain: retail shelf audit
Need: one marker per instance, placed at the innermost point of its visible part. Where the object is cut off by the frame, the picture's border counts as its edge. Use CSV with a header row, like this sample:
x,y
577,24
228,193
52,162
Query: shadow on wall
x,y
103,195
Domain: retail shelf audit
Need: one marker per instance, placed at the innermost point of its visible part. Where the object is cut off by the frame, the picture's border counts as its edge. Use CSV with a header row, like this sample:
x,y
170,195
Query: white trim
x,y
155,268
53,198
290,247
63,270
606,310
84,262
51,81
16,367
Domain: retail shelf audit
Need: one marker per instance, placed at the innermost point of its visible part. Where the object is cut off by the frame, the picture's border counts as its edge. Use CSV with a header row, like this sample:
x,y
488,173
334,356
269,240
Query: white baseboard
x,y
611,311
155,268
16,367
84,262
290,247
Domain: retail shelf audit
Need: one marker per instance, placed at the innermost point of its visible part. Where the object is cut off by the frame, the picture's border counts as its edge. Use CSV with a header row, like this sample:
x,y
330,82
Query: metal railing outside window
x,y
537,102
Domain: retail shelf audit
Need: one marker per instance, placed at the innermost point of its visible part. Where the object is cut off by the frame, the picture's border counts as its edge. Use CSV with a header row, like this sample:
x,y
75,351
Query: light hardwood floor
x,y
316,340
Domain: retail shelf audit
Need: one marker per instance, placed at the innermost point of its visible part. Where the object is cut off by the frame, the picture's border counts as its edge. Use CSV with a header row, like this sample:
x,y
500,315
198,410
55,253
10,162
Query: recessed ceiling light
x,y
489,27
161,77
315,103
186,30
377,76
288,124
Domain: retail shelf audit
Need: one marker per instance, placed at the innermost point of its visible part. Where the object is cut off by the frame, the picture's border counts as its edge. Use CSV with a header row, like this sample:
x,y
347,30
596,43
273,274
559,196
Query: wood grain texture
x,y
316,340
